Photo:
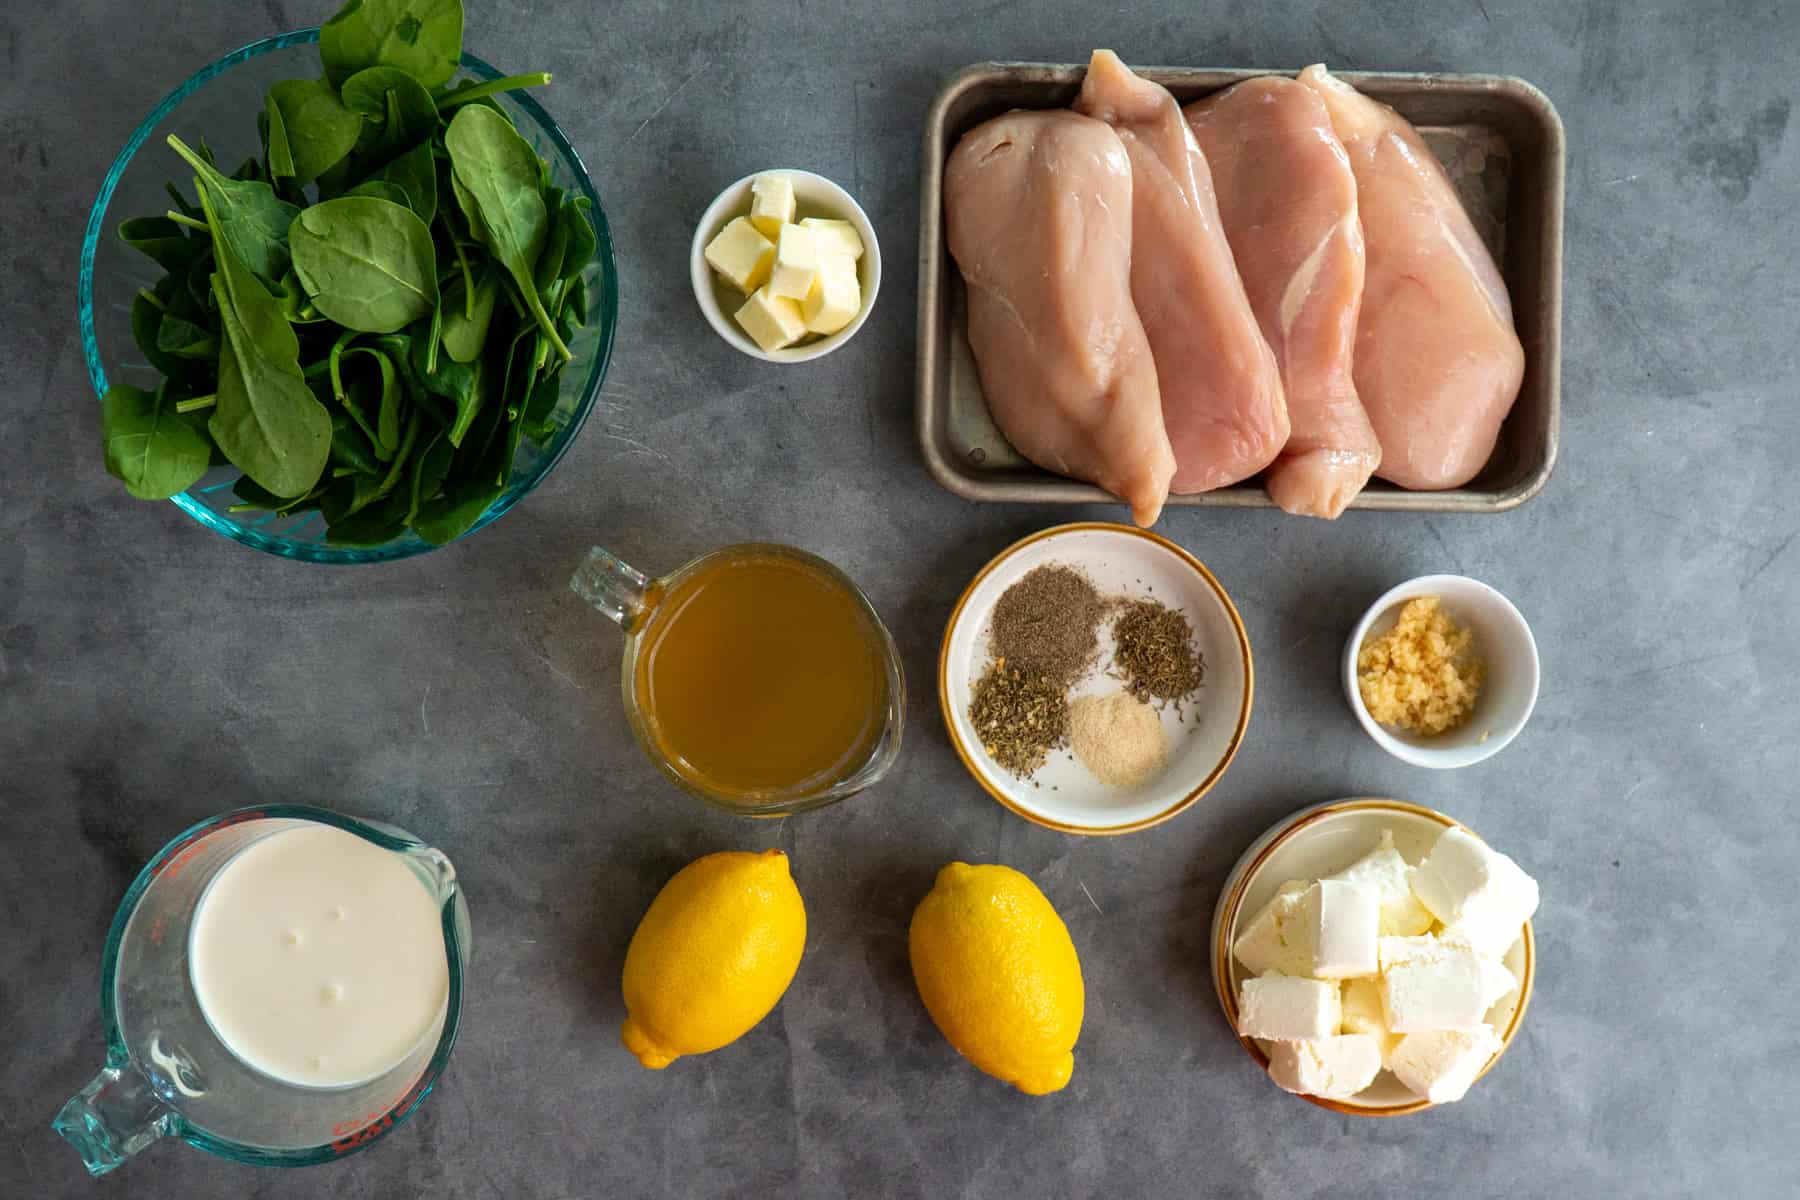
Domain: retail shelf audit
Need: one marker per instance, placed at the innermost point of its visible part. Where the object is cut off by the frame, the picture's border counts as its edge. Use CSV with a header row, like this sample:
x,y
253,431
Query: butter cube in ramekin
x,y
771,204
771,321
741,255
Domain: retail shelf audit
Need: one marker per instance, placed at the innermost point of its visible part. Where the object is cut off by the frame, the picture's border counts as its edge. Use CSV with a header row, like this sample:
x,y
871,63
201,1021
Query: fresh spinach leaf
x,y
460,383
415,174
447,517
497,184
466,324
349,448
421,37
276,149
148,448
368,264
184,339
583,241
246,215
381,189
320,130
397,112
550,263
161,239
267,420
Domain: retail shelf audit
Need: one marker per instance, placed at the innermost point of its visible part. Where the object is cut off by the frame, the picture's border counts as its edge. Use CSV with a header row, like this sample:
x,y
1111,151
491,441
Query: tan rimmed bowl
x,y
1319,841
1204,734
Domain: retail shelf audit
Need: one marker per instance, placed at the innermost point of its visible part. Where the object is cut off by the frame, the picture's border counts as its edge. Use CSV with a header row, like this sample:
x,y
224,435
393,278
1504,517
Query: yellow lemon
x,y
998,974
714,953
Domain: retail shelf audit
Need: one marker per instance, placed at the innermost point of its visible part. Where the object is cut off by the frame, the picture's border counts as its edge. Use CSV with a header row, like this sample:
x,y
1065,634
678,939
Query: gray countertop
x,y
152,674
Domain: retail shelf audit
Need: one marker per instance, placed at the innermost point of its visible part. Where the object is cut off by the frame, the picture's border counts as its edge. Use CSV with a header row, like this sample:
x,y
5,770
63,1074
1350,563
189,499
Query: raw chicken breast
x,y
1438,365
1287,199
1221,391
1038,209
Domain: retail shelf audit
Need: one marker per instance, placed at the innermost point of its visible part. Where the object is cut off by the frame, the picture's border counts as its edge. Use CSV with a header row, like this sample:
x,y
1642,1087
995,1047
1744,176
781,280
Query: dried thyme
x,y
1154,648
1019,717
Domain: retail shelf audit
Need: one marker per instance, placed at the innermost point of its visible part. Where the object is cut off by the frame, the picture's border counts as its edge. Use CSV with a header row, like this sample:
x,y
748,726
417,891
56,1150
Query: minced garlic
x,y
1420,676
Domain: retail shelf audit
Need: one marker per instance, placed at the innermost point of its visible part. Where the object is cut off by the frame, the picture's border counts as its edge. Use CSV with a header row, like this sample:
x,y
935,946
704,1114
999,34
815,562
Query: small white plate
x,y
1204,733
1323,840
1502,640
816,196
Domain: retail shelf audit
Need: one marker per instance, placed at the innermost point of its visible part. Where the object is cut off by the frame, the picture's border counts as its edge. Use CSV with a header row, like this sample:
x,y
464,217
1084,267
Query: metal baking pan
x,y
1499,137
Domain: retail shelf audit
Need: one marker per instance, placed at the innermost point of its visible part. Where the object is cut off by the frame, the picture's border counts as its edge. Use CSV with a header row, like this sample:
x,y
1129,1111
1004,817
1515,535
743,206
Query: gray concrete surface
x,y
152,674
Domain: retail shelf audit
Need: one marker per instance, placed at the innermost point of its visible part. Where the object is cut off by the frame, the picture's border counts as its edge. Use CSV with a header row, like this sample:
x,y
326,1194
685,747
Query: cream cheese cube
x,y
1276,938
1384,869
1336,1068
771,204
1344,920
741,255
796,266
1427,984
1442,1065
1283,1008
1479,892
836,295
835,237
771,321
1364,1014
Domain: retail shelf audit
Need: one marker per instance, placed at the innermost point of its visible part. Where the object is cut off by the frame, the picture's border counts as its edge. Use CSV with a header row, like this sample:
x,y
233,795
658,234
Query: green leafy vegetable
x,y
276,149
368,264
151,450
267,420
320,129
421,37
302,326
397,112
498,187
247,215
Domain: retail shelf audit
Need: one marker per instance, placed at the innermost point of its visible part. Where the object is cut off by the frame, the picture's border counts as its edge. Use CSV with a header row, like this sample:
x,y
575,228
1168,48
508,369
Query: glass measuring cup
x,y
635,602
168,1075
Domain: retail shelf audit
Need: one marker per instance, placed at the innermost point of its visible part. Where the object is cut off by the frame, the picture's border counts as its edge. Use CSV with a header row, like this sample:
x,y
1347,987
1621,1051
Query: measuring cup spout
x,y
613,586
117,1114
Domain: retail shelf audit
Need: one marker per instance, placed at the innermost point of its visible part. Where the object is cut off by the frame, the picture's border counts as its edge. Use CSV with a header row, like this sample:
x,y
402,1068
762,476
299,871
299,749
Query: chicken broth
x,y
761,672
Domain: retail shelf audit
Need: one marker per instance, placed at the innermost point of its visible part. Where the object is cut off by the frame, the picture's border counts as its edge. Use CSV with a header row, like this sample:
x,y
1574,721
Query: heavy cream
x,y
318,958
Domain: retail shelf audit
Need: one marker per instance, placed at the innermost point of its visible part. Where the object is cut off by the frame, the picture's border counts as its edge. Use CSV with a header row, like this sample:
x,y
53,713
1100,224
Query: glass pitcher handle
x,y
117,1114
613,586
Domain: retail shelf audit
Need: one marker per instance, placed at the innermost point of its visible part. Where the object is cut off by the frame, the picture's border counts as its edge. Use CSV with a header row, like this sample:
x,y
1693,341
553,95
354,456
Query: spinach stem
x,y
151,299
184,219
196,403
450,100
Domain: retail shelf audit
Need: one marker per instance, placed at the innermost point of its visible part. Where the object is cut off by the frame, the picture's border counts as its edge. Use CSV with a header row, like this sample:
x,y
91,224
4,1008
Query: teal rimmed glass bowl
x,y
220,102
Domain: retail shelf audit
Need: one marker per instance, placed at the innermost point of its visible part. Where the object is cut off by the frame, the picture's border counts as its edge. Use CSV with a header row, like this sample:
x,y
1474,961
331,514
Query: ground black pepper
x,y
1046,624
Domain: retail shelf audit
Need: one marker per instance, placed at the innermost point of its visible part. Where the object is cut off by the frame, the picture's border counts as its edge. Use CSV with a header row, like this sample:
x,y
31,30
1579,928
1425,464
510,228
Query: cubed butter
x,y
1428,984
1441,1065
771,321
1384,869
1364,1014
796,262
835,237
1275,939
1481,893
741,255
1336,1068
1283,1008
835,297
1344,920
771,204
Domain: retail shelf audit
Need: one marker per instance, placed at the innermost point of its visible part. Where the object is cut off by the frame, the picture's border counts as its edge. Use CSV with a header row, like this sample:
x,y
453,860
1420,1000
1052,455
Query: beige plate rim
x,y
1244,705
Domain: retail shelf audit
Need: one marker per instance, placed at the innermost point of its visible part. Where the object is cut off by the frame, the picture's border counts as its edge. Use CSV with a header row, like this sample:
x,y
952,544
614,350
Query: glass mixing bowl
x,y
220,102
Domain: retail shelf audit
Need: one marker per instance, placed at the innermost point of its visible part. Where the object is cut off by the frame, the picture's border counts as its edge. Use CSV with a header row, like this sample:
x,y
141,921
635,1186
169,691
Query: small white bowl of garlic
x,y
785,266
